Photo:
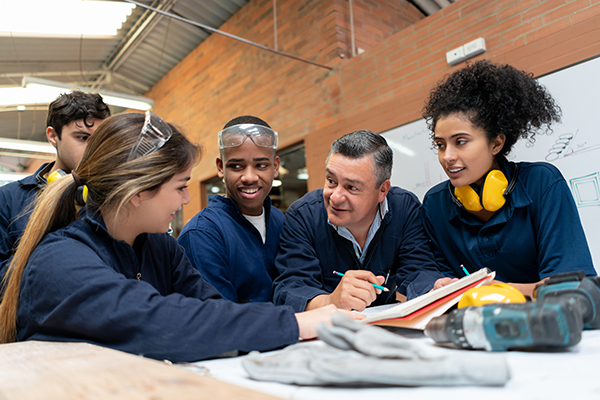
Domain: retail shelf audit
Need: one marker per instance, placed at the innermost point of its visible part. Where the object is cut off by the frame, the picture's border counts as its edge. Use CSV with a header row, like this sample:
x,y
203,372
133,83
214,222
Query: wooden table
x,y
50,370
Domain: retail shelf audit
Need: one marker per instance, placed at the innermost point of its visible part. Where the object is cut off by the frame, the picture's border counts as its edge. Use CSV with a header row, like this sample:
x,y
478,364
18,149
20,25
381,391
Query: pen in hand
x,y
374,285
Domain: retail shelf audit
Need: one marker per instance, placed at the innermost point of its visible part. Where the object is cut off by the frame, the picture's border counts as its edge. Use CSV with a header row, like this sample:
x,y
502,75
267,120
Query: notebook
x,y
416,313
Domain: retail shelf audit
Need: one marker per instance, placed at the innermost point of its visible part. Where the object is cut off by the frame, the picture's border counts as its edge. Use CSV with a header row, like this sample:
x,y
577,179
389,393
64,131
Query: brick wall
x,y
374,21
386,86
382,88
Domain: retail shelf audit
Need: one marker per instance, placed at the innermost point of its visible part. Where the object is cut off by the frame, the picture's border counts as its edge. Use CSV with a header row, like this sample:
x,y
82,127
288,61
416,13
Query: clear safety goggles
x,y
154,134
235,135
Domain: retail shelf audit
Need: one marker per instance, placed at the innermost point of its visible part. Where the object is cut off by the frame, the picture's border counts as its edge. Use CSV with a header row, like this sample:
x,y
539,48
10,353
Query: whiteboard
x,y
573,147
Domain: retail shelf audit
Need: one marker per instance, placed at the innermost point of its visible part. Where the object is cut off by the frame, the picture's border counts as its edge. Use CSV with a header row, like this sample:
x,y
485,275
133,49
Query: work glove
x,y
353,354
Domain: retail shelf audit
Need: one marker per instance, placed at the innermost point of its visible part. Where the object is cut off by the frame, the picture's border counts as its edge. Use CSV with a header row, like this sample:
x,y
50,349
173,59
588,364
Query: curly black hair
x,y
499,99
74,106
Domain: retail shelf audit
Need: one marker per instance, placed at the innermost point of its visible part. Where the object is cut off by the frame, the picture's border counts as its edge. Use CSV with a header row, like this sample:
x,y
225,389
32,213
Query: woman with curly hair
x,y
518,219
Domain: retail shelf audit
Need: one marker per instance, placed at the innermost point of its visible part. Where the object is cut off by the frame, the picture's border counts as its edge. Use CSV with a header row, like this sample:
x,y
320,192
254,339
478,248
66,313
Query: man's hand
x,y
443,282
354,292
525,288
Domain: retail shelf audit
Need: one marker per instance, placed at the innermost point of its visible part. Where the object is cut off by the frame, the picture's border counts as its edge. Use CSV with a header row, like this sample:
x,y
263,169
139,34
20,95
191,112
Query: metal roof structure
x,y
147,47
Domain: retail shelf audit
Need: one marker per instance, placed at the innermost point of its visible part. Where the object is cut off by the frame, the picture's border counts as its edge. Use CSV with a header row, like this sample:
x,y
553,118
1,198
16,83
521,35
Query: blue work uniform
x,y
229,252
311,249
536,234
81,284
16,199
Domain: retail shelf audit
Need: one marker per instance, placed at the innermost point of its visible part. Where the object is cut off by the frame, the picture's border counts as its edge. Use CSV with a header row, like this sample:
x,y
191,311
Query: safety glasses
x,y
234,136
154,134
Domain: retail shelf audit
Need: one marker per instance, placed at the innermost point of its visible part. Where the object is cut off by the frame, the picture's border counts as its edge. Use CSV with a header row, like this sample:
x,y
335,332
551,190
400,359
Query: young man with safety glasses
x,y
233,242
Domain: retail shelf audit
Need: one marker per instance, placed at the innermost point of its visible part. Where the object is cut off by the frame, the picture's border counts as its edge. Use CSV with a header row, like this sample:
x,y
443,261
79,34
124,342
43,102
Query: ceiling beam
x,y
133,38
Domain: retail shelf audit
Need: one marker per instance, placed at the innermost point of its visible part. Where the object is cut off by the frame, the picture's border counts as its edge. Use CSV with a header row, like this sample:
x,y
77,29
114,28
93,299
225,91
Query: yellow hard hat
x,y
495,293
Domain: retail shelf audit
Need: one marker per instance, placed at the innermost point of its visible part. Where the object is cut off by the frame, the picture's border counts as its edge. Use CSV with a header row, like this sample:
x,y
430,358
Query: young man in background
x,y
72,119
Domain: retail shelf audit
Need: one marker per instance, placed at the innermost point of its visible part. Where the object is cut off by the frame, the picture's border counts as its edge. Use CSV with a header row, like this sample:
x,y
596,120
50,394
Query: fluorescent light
x,y
215,189
27,145
276,183
44,91
62,18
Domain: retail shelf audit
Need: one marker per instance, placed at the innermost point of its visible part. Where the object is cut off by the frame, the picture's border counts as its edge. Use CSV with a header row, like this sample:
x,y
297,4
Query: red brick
x,y
543,8
415,56
390,87
461,24
440,65
426,41
424,23
403,53
506,47
473,7
375,84
495,7
586,14
565,11
480,26
404,71
380,98
442,23
411,87
522,29
548,30
418,75
502,26
448,43
433,58
434,78
516,8
385,51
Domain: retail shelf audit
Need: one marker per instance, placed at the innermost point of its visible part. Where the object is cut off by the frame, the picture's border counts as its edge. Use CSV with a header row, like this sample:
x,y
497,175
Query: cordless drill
x,y
565,304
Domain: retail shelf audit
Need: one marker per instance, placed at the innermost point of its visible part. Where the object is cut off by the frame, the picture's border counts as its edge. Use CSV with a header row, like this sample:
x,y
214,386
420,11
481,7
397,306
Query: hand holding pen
x,y
356,291
383,288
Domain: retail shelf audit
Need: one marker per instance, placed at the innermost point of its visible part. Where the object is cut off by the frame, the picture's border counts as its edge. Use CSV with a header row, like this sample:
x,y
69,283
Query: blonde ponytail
x,y
55,208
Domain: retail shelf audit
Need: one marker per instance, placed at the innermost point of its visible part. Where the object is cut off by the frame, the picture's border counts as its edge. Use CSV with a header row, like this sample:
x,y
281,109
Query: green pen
x,y
374,285
465,270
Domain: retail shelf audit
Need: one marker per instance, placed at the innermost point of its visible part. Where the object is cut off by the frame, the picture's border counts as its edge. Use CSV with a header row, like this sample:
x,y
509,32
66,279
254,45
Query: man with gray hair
x,y
357,226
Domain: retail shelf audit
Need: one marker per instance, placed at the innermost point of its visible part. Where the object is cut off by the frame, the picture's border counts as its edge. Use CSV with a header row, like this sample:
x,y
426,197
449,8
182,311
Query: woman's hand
x,y
308,320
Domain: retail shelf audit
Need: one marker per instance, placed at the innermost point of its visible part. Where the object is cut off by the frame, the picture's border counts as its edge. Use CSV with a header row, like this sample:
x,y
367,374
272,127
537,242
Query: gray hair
x,y
362,143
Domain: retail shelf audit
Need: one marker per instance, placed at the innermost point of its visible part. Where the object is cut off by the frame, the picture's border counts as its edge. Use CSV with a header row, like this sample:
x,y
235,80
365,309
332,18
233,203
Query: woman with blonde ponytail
x,y
104,270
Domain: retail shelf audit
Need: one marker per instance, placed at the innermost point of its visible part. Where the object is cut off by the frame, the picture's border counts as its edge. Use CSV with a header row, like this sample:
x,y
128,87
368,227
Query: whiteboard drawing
x,y
586,190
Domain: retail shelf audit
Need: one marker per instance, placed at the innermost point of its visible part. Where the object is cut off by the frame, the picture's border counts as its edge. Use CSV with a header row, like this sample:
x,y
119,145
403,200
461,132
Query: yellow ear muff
x,y
492,198
82,194
493,190
59,173
82,191
468,197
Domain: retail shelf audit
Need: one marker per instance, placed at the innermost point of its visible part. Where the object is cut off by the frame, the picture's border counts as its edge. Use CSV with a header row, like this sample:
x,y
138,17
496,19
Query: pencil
x,y
374,285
